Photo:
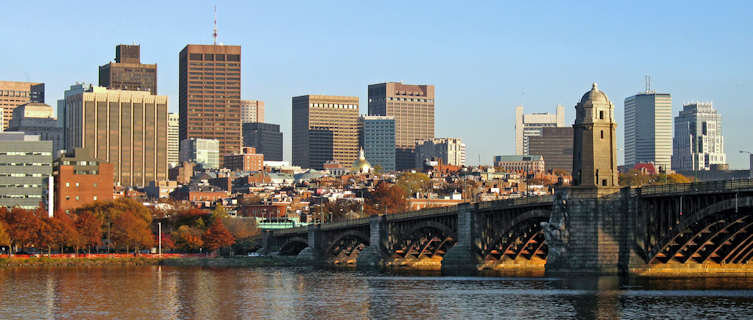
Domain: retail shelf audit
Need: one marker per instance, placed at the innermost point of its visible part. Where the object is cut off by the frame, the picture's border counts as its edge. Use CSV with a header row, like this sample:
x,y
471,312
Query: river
x,y
152,292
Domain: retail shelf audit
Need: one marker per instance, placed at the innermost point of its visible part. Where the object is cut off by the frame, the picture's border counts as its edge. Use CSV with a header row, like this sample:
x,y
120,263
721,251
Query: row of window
x,y
20,196
78,198
18,175
15,153
22,186
214,57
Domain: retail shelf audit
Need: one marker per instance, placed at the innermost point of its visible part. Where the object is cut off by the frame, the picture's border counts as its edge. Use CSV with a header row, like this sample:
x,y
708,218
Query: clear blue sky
x,y
484,57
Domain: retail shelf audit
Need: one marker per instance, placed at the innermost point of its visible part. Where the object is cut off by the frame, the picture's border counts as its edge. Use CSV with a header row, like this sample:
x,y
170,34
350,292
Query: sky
x,y
484,57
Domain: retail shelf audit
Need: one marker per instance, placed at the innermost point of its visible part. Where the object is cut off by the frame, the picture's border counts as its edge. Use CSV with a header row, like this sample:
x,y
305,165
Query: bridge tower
x,y
589,228
595,141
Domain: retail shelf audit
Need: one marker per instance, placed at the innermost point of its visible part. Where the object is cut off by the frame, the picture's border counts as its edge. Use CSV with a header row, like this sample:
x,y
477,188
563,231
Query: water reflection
x,y
301,293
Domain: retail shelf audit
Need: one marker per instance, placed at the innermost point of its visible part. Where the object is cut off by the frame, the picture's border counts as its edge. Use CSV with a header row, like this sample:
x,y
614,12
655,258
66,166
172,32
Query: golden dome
x,y
361,164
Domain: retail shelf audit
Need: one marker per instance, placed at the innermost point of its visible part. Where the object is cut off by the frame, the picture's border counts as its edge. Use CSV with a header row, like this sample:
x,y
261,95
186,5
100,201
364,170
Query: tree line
x,y
121,225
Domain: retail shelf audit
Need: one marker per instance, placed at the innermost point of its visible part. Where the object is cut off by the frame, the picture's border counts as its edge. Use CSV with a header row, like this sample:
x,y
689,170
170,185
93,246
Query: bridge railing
x,y
346,223
281,232
709,186
515,202
422,212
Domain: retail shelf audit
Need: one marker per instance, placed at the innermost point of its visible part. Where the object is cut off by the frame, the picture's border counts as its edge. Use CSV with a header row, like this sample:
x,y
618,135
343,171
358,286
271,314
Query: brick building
x,y
80,180
248,160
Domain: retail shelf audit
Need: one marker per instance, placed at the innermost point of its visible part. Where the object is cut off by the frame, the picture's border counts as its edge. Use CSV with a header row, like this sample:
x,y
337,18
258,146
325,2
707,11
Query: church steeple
x,y
595,141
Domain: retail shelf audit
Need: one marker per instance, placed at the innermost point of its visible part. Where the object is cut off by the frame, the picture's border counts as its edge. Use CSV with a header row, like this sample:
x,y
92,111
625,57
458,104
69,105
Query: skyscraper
x,y
648,129
252,111
125,128
595,141
378,141
16,93
698,141
412,106
73,90
209,92
173,142
127,72
324,128
530,125
265,137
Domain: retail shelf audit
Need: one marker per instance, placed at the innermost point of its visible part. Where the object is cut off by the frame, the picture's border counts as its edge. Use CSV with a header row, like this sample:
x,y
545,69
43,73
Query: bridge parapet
x,y
509,203
722,186
422,213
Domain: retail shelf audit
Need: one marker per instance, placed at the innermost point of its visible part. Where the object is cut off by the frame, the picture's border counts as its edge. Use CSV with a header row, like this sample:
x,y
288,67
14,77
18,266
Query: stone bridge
x,y
655,230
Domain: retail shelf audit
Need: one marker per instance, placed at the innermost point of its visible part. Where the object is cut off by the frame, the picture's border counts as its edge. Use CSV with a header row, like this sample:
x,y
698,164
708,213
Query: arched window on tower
x,y
601,115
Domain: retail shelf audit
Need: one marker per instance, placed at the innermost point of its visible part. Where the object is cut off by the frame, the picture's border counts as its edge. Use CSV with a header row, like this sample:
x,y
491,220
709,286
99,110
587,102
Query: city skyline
x,y
600,49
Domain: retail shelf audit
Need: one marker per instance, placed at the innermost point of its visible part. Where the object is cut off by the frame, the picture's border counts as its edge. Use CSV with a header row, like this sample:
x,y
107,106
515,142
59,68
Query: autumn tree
x,y
387,198
23,226
131,231
217,236
187,238
167,242
89,228
241,228
4,236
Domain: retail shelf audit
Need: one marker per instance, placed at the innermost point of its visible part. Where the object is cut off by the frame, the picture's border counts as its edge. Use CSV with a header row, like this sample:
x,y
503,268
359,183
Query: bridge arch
x,y
425,239
293,246
521,237
349,242
721,232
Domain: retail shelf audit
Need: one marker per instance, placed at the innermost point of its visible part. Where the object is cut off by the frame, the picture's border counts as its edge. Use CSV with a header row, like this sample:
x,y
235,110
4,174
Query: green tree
x,y
414,182
219,211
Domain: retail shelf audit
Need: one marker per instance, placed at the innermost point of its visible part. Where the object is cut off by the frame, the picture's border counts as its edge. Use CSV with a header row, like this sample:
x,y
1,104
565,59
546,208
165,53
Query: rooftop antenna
x,y
648,83
214,34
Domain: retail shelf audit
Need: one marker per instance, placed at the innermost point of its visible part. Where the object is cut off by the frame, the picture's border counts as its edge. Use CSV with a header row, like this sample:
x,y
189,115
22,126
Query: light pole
x,y
159,227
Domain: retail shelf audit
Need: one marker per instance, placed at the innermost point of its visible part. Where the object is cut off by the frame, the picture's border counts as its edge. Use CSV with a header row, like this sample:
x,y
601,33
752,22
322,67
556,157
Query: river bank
x,y
175,260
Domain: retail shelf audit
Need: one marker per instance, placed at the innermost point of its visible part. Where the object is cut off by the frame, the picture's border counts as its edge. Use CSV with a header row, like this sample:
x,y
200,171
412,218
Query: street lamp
x,y
159,227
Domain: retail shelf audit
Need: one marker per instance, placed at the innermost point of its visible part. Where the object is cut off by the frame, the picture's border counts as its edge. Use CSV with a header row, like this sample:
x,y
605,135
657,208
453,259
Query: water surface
x,y
151,292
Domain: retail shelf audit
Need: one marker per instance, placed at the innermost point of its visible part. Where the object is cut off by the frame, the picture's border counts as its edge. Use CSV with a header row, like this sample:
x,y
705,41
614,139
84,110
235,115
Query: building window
x,y
602,134
604,182
601,115
95,198
76,198
67,184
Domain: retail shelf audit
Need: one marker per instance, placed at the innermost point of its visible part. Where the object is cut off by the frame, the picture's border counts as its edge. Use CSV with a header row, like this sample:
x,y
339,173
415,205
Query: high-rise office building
x,y
16,93
648,130
265,137
412,106
202,151
324,128
595,141
450,150
209,92
72,91
173,140
698,141
125,128
530,125
38,119
555,145
378,141
127,72
252,111
25,169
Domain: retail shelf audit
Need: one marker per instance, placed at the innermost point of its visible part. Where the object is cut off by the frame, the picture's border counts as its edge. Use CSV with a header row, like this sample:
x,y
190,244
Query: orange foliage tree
x,y
217,236
90,230
130,231
187,238
387,198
